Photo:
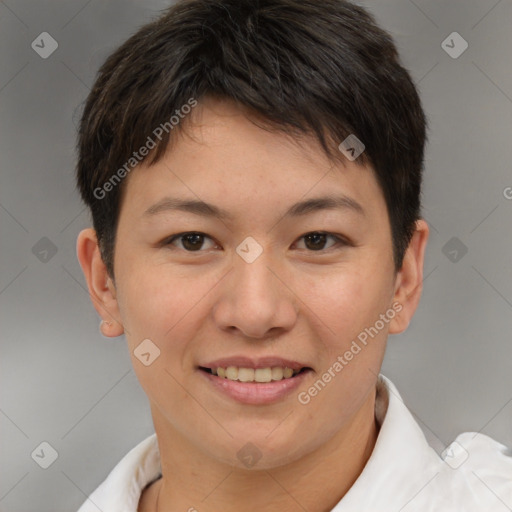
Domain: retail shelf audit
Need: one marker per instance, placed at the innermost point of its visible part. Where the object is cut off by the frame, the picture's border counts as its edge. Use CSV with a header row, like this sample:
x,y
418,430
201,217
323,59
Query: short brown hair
x,y
304,66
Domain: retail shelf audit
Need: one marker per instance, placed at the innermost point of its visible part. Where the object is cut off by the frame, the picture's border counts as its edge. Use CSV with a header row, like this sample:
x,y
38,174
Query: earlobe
x,y
110,328
409,280
101,288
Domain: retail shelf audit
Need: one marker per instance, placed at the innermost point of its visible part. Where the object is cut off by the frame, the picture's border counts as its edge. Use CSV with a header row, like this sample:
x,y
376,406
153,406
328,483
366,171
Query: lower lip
x,y
256,393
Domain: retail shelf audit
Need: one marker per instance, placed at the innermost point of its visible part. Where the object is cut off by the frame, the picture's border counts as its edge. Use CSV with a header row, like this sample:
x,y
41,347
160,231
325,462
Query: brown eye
x,y
190,242
193,242
317,240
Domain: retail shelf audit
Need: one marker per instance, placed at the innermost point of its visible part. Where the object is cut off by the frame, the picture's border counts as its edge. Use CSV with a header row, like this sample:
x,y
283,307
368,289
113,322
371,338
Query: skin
x,y
293,301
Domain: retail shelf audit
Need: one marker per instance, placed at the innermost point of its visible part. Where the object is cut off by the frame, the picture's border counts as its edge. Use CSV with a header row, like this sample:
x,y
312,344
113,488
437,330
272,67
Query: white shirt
x,y
403,474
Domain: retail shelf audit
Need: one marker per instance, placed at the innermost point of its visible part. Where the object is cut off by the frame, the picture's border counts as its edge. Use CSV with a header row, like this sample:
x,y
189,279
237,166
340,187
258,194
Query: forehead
x,y
223,153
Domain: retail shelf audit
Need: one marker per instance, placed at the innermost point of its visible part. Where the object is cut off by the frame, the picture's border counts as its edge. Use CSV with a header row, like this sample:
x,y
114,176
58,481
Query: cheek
x,y
348,308
347,301
157,306
161,305
357,334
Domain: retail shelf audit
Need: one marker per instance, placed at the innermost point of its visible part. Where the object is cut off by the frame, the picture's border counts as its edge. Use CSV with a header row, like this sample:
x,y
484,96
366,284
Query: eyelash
x,y
339,240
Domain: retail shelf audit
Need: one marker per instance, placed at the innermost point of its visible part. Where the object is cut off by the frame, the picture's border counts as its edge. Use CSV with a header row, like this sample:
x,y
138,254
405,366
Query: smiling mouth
x,y
258,375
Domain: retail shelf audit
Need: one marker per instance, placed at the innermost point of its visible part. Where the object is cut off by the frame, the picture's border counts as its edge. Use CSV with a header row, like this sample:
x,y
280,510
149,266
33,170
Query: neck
x,y
192,481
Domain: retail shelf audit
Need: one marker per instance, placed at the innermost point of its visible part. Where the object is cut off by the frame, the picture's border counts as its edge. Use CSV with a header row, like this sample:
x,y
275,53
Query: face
x,y
262,279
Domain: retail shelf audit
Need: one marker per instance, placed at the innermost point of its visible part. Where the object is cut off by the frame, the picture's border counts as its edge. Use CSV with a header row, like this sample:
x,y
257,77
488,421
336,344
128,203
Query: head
x,y
243,105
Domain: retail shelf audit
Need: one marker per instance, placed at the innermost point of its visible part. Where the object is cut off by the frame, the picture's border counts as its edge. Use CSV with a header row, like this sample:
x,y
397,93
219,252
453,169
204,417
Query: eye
x,y
316,240
190,242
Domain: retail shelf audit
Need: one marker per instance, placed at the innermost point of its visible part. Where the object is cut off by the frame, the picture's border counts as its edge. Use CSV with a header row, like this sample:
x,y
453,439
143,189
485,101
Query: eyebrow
x,y
298,209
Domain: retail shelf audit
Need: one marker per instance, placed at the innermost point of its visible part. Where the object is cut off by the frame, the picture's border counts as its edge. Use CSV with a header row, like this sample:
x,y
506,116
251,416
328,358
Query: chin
x,y
259,452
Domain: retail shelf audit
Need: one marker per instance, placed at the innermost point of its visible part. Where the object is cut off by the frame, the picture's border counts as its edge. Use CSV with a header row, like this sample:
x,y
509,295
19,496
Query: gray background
x,y
63,383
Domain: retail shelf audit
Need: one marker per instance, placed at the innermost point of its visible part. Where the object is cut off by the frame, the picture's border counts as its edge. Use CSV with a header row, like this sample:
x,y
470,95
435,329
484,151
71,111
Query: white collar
x,y
400,441
403,473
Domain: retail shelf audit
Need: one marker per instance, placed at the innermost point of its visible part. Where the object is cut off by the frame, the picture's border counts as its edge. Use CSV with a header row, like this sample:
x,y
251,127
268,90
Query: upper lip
x,y
247,362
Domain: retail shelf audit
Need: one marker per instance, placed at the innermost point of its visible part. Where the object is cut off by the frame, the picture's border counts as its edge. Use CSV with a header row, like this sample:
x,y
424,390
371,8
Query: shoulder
x,y
121,490
478,470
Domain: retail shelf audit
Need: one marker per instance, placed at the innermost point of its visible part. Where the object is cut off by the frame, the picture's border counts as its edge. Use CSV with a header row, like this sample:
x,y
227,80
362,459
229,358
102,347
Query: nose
x,y
255,300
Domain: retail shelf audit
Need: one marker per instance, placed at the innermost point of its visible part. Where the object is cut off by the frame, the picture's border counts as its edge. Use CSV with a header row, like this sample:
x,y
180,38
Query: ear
x,y
101,287
409,279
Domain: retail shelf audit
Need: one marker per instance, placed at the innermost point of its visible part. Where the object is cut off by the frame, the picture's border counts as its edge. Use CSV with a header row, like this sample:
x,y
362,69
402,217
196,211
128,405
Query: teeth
x,y
277,373
263,375
245,374
254,375
287,373
232,373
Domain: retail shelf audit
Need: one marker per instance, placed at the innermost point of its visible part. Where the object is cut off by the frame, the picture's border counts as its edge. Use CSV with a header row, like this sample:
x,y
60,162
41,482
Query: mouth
x,y
262,381
256,375
255,386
